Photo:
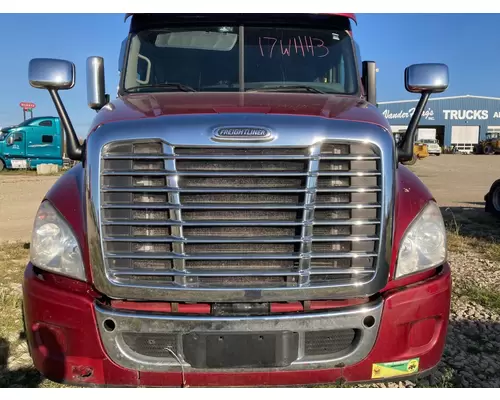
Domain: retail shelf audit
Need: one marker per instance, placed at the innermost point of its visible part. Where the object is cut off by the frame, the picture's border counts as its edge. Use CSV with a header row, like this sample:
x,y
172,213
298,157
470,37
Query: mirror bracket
x,y
405,150
73,147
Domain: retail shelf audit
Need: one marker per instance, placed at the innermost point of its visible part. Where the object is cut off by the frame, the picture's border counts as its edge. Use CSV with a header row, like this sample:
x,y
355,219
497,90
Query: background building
x,y
461,120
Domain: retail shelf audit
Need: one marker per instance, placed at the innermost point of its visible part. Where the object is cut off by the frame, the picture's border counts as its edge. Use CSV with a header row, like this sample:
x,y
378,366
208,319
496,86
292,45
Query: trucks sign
x,y
454,115
25,105
466,114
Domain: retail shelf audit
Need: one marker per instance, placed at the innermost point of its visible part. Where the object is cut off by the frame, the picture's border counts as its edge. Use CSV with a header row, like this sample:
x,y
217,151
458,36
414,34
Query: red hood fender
x,y
152,105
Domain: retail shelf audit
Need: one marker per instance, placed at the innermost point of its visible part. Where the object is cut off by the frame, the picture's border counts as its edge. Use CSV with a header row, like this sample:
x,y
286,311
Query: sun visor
x,y
198,40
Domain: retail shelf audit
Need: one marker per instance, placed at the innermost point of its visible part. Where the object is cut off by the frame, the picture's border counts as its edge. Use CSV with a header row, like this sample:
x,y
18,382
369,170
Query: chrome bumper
x,y
112,325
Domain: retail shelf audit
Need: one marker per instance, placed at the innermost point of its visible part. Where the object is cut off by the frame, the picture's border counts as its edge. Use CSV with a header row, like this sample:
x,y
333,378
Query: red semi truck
x,y
240,215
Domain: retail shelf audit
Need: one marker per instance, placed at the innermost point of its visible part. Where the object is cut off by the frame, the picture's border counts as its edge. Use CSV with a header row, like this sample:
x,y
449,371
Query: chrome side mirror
x,y
424,79
10,140
49,73
55,75
430,78
96,91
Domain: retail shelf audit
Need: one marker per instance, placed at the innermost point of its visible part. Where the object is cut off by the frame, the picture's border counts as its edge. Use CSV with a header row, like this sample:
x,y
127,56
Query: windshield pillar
x,y
241,72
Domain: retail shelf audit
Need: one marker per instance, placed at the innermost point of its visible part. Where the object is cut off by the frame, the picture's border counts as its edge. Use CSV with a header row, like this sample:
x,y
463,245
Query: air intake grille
x,y
228,217
317,343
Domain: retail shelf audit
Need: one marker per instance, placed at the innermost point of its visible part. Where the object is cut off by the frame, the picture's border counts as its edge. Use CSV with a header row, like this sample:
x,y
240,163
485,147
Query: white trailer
x,y
464,138
426,134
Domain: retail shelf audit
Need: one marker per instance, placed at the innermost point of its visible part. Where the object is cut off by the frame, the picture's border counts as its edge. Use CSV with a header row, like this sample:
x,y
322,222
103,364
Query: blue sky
x,y
469,44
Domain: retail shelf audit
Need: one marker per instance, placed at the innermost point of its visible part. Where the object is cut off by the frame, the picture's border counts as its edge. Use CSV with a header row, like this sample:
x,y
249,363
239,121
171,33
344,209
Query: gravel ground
x,y
472,353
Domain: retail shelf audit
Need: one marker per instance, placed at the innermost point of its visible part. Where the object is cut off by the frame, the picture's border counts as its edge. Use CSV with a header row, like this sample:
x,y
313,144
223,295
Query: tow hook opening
x,y
109,325
369,321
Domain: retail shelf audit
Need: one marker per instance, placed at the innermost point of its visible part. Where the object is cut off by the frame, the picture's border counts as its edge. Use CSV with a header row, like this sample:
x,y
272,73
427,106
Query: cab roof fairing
x,y
351,16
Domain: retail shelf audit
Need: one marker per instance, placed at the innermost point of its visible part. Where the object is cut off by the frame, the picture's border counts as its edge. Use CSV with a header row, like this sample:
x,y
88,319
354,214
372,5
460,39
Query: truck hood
x,y
6,129
153,105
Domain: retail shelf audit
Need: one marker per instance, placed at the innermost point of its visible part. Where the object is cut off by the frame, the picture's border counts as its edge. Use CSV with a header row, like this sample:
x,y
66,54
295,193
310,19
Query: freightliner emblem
x,y
242,134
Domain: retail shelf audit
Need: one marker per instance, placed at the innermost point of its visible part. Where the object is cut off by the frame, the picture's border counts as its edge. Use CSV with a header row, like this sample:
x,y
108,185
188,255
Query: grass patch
x,y
13,257
471,222
488,298
446,379
489,249
472,230
16,367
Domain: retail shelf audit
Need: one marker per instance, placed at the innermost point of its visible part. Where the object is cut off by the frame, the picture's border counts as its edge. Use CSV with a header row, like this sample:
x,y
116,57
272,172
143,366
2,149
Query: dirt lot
x,y
472,353
20,196
458,180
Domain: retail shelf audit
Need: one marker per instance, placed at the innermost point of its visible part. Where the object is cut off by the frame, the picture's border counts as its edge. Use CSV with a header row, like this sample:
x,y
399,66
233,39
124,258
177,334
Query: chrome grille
x,y
234,217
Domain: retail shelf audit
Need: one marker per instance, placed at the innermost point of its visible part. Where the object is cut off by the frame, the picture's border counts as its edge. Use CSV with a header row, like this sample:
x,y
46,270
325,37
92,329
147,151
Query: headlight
x,y
424,243
53,245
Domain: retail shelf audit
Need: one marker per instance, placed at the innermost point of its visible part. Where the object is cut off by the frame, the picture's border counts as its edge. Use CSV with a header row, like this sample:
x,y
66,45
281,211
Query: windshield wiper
x,y
277,88
179,86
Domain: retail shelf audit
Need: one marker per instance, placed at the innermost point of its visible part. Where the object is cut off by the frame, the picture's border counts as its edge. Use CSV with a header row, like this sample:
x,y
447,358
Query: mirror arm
x,y
73,147
107,100
405,150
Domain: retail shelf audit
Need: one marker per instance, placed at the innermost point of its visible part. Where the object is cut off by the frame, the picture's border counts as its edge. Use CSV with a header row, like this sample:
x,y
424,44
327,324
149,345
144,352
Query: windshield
x,y
208,58
4,132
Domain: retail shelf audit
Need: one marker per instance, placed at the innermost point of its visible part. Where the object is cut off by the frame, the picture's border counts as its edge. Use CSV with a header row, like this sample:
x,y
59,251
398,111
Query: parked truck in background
x,y
433,146
35,141
240,215
492,199
428,137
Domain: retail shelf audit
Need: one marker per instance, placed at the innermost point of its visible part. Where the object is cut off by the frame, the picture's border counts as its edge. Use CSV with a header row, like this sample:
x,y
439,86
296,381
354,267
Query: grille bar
x,y
254,239
233,256
237,173
235,190
228,206
361,157
239,222
254,272
175,216
308,216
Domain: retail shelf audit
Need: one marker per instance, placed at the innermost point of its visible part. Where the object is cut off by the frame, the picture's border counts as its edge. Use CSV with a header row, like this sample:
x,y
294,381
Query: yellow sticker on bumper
x,y
396,368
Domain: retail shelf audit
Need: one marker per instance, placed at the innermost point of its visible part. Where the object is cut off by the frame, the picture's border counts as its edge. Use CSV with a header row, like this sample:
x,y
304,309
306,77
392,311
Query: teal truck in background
x,y
35,141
